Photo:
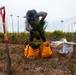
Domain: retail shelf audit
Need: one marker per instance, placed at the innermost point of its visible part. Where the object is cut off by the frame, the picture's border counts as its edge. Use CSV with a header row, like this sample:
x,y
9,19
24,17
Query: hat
x,y
31,14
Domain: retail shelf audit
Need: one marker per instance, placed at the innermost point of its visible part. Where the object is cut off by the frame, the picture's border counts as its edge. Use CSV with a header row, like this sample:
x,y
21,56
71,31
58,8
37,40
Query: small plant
x,y
19,61
72,67
54,64
13,70
40,28
35,45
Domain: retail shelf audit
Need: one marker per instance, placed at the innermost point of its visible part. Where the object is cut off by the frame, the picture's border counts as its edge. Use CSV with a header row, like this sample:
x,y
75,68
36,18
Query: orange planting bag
x,y
30,52
45,50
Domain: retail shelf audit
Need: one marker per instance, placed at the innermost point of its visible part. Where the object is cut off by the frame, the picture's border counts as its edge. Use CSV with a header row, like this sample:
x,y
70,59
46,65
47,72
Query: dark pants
x,y
38,38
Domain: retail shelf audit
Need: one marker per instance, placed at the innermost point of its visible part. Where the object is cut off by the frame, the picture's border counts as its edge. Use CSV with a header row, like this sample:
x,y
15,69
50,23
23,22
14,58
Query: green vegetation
x,y
35,45
54,64
40,28
16,38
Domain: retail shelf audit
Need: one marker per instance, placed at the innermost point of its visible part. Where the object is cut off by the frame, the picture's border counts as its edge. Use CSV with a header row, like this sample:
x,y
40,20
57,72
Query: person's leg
x,y
31,36
42,36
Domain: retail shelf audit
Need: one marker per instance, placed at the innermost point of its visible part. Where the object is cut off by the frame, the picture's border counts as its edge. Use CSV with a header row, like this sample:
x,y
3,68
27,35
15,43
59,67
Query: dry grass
x,y
57,64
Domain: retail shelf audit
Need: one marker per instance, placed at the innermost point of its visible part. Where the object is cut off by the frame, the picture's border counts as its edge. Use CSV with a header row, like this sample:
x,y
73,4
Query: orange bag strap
x,y
27,51
40,50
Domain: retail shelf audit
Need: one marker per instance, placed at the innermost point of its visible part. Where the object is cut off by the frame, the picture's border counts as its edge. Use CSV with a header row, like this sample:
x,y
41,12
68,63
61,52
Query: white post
x,y
62,25
18,23
12,23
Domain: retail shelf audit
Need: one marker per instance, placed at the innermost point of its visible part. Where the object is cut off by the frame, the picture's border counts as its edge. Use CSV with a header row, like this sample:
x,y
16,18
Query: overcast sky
x,y
57,10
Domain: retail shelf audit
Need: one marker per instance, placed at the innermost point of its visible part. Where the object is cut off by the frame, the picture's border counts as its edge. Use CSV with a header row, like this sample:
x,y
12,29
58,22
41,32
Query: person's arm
x,y
42,15
28,26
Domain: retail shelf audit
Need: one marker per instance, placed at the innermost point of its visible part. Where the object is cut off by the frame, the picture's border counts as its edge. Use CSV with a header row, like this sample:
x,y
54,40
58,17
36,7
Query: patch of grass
x,y
72,67
54,64
13,70
19,61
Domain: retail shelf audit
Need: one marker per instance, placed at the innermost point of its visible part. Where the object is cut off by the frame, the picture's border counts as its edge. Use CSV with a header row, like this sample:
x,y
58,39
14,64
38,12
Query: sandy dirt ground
x,y
56,64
